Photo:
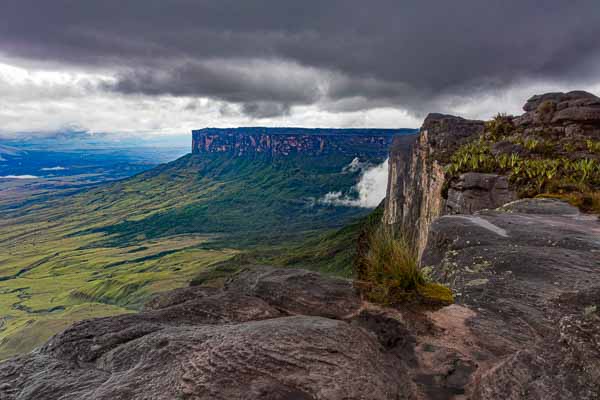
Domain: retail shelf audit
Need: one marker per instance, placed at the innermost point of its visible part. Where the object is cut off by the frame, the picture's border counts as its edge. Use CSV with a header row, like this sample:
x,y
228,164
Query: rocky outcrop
x,y
472,192
530,273
270,334
577,107
417,188
416,173
290,141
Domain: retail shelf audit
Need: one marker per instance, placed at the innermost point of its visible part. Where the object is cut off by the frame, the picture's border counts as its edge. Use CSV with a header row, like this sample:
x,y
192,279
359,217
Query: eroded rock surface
x,y
530,272
474,191
271,334
561,108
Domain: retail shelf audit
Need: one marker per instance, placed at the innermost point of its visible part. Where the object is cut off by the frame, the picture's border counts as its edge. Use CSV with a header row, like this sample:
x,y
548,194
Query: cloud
x,y
369,191
58,168
272,61
19,177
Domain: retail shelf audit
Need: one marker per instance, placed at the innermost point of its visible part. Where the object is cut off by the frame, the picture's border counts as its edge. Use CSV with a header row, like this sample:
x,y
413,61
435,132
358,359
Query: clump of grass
x,y
391,274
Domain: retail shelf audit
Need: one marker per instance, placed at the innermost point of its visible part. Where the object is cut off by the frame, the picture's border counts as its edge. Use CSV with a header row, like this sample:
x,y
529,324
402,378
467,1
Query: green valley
x,y
105,250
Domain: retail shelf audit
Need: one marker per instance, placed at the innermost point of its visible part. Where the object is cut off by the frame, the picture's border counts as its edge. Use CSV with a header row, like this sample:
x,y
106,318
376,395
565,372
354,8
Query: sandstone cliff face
x,y
290,141
416,173
417,190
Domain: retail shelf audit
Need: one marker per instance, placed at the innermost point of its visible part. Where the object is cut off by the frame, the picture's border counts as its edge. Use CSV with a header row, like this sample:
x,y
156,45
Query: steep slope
x,y
105,250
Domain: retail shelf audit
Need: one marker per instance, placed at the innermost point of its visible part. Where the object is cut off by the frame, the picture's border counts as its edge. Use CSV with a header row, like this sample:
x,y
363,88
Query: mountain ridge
x,y
287,141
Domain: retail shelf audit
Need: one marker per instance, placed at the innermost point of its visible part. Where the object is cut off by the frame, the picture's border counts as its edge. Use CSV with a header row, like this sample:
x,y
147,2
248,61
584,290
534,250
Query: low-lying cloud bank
x,y
370,189
19,177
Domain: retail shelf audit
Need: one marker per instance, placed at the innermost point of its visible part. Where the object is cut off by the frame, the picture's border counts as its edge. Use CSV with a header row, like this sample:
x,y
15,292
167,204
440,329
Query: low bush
x,y
391,273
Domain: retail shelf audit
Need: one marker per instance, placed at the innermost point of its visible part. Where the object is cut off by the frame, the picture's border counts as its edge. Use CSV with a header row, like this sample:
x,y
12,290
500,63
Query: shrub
x,y
499,127
391,273
593,146
547,107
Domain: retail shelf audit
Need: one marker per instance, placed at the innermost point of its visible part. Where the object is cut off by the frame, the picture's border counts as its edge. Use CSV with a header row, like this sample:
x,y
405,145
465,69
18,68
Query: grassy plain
x,y
72,255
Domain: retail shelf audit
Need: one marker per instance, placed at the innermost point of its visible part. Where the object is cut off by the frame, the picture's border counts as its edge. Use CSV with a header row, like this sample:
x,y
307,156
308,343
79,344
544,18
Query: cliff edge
x,y
281,142
459,166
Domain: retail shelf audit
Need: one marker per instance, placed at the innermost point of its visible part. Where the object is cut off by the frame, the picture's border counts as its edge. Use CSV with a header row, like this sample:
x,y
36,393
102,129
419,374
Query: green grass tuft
x,y
390,273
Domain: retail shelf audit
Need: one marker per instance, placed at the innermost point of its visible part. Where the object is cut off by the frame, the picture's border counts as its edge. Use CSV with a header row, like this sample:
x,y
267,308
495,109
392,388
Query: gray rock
x,y
244,342
529,270
298,291
476,191
561,108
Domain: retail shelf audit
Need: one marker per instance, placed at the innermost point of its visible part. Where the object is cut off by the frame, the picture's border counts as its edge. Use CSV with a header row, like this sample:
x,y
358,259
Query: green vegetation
x,y
390,273
545,165
106,250
333,252
587,202
593,146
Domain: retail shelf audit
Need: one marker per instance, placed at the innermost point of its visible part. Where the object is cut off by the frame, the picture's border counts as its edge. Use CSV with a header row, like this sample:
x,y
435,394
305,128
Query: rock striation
x,y
290,141
270,334
530,274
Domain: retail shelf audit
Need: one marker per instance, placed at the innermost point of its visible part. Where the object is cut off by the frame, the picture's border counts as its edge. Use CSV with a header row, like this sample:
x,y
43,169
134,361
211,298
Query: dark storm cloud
x,y
351,53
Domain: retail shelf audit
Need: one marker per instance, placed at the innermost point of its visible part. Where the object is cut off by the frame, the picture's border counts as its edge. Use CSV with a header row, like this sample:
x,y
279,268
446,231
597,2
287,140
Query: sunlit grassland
x,y
52,273
69,283
107,249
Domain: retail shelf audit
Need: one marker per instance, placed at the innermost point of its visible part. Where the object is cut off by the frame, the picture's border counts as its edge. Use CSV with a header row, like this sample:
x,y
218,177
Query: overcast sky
x,y
158,66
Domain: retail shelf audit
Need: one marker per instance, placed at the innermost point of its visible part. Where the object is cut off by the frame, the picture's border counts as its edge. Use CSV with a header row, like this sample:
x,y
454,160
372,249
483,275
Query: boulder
x,y
561,108
477,191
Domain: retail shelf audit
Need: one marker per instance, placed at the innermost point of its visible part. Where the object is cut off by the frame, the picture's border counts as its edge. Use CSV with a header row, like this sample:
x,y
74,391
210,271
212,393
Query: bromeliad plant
x,y
547,162
533,175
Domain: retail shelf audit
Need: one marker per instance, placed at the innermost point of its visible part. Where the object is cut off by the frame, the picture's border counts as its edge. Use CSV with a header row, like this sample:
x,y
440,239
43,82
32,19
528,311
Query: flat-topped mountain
x,y
104,250
289,141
